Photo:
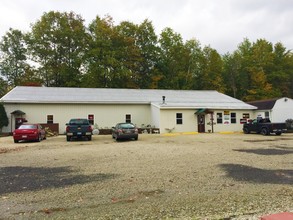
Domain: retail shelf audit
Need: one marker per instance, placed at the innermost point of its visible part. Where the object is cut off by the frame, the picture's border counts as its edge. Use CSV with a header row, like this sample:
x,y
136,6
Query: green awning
x,y
17,112
201,110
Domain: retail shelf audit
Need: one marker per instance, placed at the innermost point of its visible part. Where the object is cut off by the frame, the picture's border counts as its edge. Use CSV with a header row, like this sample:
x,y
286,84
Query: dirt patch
x,y
7,150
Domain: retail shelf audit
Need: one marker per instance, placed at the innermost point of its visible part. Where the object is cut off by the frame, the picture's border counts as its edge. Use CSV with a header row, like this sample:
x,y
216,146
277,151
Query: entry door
x,y
201,123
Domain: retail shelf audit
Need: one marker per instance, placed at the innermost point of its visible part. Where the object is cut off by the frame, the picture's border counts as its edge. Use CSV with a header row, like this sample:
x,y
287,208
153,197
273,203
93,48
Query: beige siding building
x,y
168,110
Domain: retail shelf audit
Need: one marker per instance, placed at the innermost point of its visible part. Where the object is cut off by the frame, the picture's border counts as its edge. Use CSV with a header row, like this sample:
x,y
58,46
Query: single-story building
x,y
167,110
277,110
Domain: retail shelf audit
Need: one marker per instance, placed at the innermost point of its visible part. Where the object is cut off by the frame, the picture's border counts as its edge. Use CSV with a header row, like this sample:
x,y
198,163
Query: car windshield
x,y
126,126
27,127
79,122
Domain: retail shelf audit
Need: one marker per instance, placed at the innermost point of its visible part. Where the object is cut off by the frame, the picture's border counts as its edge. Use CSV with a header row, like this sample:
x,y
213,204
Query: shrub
x,y
3,117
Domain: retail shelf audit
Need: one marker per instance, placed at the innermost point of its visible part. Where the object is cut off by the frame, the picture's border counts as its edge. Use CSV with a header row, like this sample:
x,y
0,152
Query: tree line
x,y
59,50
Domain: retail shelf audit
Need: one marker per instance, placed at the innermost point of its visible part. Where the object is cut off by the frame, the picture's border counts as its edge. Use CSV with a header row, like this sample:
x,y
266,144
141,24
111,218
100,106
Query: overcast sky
x,y
221,24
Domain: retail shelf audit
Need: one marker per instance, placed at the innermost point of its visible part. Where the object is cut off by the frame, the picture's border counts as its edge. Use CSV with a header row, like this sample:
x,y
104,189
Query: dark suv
x,y
125,131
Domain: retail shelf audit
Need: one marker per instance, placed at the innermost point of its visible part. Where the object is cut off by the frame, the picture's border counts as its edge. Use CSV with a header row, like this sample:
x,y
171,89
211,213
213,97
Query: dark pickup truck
x,y
78,128
264,127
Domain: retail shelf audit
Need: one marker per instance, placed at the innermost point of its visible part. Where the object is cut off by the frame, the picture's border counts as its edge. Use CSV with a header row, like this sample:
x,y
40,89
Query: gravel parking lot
x,y
201,176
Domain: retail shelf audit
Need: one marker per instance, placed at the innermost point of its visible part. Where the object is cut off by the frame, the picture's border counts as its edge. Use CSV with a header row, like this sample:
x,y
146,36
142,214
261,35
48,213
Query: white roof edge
x,y
175,99
205,107
165,106
79,102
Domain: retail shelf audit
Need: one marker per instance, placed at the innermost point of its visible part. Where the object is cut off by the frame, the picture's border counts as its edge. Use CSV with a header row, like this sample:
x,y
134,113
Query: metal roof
x,y
173,98
264,104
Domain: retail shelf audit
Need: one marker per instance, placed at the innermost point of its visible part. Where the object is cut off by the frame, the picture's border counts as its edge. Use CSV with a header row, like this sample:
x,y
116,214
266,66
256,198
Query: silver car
x,y
125,131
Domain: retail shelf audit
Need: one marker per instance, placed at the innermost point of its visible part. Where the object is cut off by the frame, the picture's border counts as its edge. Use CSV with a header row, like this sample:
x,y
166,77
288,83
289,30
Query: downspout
x,y
212,120
11,123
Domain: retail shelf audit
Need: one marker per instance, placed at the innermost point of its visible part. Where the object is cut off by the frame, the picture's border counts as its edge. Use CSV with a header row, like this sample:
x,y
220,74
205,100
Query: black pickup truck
x,y
264,127
78,128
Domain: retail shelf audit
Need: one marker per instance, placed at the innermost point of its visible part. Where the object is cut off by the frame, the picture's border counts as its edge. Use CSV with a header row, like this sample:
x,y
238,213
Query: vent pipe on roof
x,y
164,99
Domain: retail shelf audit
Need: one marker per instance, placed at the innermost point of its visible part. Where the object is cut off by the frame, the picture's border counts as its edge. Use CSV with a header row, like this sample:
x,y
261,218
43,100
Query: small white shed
x,y
277,110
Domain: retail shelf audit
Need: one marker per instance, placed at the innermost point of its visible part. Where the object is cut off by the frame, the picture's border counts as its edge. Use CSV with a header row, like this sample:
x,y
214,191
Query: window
x,y
267,114
246,115
91,119
78,122
233,118
128,118
28,127
179,118
219,118
50,119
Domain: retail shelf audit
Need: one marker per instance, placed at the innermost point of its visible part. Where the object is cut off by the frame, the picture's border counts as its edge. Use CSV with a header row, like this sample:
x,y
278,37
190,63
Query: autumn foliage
x,y
61,51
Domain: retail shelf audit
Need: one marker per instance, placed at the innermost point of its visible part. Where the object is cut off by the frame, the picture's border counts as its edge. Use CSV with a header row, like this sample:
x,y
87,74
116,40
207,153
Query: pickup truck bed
x,y
264,127
78,128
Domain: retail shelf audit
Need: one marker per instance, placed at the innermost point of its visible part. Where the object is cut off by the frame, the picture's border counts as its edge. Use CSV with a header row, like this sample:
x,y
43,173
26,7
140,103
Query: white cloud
x,y
221,24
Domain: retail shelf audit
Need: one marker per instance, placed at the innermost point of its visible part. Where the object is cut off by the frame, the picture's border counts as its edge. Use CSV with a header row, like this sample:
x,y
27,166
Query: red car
x,y
29,132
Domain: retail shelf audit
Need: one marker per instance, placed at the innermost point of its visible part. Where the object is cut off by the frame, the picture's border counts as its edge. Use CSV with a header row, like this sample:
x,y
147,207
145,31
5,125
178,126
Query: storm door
x,y
201,123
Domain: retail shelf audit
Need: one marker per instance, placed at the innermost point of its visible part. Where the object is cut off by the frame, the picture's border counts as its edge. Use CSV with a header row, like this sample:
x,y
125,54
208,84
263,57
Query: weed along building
x,y
167,110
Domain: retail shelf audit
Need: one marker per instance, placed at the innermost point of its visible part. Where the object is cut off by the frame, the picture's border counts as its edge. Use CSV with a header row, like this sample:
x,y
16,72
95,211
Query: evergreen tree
x,y
3,117
3,87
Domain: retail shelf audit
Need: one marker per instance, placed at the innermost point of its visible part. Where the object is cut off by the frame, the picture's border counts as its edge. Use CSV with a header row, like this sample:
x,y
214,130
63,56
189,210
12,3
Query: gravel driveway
x,y
202,176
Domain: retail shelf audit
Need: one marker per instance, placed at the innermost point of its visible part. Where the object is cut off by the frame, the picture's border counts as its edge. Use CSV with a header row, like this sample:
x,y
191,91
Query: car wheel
x,y
136,138
89,138
278,133
264,131
15,141
246,131
39,138
67,138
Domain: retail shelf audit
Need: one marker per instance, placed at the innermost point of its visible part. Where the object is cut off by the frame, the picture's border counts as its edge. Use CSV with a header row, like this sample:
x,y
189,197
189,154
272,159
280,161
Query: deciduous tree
x,y
111,56
231,74
211,78
195,63
13,57
57,43
281,70
259,68
172,61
